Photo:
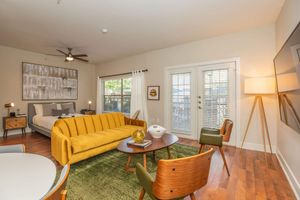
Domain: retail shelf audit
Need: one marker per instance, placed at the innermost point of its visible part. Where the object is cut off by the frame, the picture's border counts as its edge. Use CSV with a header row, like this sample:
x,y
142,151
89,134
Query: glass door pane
x,y
181,102
215,99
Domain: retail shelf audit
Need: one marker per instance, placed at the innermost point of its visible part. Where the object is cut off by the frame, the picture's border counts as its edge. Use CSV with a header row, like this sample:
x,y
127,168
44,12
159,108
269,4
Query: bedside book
x,y
145,144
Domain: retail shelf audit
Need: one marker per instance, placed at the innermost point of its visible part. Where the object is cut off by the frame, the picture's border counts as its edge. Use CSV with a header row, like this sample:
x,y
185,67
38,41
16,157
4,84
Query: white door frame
x,y
236,60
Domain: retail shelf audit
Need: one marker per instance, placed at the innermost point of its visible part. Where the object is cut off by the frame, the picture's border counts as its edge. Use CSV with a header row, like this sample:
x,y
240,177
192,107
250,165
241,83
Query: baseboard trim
x,y
289,174
258,147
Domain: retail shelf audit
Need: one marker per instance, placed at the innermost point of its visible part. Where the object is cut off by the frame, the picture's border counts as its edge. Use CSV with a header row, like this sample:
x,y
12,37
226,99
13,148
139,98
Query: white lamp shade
x,y
259,86
288,82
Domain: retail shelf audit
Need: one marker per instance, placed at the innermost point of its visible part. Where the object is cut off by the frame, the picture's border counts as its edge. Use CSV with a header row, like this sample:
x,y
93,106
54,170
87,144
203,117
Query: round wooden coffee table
x,y
164,142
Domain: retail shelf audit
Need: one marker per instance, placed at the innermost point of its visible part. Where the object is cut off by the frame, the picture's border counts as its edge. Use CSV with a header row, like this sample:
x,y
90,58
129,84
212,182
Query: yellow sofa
x,y
78,138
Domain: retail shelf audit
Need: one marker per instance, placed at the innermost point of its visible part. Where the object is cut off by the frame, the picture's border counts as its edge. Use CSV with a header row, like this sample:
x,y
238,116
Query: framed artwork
x,y
153,93
42,82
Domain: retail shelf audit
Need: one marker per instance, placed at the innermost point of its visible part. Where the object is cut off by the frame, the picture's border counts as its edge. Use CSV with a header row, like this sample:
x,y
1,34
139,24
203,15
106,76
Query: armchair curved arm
x,y
136,122
145,179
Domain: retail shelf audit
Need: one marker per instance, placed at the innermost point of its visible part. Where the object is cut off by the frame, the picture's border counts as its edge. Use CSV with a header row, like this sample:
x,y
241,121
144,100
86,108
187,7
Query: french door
x,y
200,96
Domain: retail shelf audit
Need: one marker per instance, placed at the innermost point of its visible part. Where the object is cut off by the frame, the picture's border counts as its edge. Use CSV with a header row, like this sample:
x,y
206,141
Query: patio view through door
x,y
200,96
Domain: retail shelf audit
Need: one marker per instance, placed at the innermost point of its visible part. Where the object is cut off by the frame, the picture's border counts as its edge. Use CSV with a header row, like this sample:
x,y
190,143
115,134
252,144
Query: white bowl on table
x,y
156,131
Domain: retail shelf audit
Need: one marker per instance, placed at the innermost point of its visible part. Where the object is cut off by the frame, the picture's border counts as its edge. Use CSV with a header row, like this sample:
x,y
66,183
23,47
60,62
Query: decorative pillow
x,y
47,109
38,109
70,106
58,106
56,112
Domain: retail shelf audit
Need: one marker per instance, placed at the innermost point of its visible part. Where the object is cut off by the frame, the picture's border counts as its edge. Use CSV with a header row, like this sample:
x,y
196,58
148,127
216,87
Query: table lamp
x,y
259,87
90,103
8,106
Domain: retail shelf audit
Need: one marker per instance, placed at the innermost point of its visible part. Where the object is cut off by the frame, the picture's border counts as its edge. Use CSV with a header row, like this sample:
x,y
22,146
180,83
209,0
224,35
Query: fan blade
x,y
84,60
80,55
53,55
62,52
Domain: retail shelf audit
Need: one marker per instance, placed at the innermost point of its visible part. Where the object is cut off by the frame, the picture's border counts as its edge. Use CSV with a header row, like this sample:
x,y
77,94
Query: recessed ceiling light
x,y
104,30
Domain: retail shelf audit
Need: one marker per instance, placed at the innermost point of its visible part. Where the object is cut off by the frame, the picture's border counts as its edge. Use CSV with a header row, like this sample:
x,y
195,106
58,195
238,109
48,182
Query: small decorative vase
x,y
156,131
139,136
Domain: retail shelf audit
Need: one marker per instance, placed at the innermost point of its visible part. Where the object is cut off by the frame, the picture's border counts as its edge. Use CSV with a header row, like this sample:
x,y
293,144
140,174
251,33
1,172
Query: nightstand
x,y
12,123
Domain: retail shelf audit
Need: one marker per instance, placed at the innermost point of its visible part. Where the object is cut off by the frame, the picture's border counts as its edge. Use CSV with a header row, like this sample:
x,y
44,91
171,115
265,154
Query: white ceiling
x,y
135,26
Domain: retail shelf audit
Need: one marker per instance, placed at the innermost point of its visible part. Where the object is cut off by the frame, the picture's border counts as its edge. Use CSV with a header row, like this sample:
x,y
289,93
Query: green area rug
x,y
104,177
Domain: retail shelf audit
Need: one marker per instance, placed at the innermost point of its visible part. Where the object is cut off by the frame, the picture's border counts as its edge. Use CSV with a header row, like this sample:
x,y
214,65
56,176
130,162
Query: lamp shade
x,y
259,86
288,82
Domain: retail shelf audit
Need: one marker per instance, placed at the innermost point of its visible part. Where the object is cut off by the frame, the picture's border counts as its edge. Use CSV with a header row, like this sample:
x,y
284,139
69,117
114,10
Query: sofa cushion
x,y
85,142
117,134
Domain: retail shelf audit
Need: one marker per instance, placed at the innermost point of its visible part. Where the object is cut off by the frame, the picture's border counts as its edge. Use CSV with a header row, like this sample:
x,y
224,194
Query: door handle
x,y
199,97
199,102
199,107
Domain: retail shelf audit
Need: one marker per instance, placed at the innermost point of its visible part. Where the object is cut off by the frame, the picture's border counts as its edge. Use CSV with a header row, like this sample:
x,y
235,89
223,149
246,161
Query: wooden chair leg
x,y
192,196
201,147
224,159
142,194
64,195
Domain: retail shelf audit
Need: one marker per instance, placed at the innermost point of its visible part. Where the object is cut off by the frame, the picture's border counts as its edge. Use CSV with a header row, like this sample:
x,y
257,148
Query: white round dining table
x,y
25,176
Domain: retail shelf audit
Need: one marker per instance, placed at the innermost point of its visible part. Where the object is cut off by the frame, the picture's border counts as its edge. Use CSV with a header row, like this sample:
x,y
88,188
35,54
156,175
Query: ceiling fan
x,y
69,57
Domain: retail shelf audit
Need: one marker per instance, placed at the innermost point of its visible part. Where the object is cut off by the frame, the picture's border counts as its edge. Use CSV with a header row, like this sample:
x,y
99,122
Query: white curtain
x,y
99,105
138,95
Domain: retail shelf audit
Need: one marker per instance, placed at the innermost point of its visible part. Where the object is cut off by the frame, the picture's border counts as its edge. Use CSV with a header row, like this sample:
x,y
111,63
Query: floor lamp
x,y
259,87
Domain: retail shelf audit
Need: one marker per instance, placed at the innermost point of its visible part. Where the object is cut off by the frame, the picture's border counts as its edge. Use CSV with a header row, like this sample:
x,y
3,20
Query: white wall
x,y
256,49
288,140
11,78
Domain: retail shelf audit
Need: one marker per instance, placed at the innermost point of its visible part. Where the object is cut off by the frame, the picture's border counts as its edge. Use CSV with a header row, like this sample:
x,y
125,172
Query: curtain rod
x,y
127,73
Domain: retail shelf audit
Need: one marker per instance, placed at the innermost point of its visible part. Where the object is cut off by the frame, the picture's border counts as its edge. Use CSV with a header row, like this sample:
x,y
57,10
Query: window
x,y
216,97
181,102
117,95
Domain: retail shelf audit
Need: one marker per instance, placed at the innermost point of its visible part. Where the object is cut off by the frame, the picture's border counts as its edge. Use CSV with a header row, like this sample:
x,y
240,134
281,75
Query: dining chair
x,y
15,148
59,192
175,178
215,137
136,114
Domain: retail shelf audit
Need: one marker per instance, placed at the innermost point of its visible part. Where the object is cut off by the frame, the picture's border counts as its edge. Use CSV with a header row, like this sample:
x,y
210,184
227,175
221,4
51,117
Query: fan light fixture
x,y
69,58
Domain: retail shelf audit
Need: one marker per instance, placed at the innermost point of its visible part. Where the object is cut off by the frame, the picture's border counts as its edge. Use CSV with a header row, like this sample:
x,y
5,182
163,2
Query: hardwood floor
x,y
254,175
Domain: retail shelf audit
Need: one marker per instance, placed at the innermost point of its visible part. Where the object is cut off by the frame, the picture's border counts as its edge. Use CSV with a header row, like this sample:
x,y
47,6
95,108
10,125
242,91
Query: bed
x,y
43,124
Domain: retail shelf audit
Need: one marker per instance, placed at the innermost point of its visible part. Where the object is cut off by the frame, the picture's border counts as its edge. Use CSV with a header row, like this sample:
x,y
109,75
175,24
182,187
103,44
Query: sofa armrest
x,y
60,146
136,122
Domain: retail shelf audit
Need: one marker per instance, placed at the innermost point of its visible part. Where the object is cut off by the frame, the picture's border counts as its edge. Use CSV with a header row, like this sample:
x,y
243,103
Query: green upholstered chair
x,y
16,148
175,178
215,137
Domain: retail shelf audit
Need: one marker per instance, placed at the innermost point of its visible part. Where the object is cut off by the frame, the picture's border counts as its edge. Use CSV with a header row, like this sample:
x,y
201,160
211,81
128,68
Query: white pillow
x,y
58,106
38,109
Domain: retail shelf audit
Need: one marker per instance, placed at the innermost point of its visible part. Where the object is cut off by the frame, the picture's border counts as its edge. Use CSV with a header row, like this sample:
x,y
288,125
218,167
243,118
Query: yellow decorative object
x,y
78,138
138,136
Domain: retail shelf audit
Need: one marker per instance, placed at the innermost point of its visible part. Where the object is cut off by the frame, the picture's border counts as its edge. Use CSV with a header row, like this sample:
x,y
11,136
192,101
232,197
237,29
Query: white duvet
x,y
47,121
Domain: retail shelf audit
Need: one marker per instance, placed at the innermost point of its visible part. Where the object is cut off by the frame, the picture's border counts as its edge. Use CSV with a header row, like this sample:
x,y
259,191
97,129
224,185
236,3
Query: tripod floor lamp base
x,y
264,126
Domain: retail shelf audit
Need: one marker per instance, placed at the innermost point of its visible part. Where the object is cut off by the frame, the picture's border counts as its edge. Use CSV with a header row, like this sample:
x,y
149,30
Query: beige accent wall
x,y
256,49
11,78
288,140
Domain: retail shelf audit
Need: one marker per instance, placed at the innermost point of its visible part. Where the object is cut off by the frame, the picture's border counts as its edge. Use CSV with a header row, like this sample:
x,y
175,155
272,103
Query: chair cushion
x,y
85,142
211,139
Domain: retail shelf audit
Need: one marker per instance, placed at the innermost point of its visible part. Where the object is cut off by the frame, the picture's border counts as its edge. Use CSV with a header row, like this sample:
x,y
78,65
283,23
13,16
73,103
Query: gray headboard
x,y
31,110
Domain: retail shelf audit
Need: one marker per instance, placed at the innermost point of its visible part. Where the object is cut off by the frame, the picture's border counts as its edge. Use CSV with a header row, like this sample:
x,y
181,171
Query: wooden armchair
x,y
176,178
215,137
58,192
